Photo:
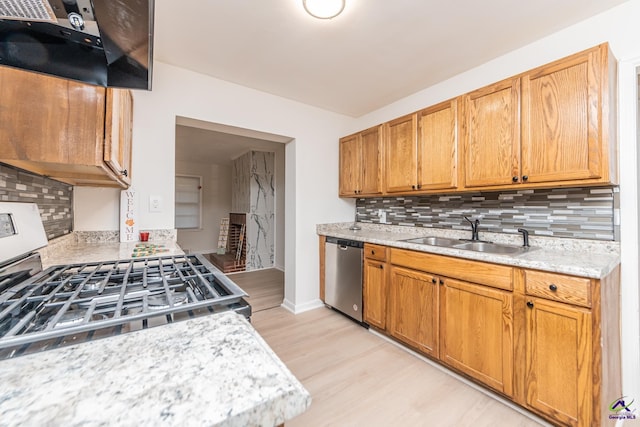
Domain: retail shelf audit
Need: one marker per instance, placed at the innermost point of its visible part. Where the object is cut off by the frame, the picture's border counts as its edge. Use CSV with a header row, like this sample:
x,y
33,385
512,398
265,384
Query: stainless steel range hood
x,y
101,42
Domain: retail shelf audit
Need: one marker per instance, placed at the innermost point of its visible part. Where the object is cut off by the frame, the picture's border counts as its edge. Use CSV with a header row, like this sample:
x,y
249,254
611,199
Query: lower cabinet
x,y
559,354
413,309
549,342
375,293
476,332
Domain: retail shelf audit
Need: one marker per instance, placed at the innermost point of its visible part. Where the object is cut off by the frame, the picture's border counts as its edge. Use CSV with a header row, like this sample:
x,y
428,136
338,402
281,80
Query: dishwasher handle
x,y
343,244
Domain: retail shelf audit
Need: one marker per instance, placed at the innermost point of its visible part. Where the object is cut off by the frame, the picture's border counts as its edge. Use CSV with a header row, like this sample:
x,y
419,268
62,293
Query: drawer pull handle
x,y
553,287
381,266
530,304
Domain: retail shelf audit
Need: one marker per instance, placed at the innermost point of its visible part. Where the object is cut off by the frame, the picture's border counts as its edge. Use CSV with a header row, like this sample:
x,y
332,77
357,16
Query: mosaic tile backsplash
x,y
54,198
579,213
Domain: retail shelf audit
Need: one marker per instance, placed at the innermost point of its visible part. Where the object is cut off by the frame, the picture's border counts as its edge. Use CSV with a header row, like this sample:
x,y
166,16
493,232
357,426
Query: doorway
x,y
209,150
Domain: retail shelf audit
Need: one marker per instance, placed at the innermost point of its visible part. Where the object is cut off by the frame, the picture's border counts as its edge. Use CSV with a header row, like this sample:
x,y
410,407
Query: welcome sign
x,y
128,216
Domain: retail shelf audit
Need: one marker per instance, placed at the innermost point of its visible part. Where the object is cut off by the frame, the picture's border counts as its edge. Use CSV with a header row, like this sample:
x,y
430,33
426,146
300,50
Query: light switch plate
x,y
155,204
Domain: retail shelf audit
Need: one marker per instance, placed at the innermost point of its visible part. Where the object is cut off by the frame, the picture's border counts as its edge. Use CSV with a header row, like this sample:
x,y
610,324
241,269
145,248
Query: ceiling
x,y
375,53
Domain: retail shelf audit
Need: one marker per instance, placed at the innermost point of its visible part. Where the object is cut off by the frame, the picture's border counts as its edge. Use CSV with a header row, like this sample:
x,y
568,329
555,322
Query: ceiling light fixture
x,y
324,9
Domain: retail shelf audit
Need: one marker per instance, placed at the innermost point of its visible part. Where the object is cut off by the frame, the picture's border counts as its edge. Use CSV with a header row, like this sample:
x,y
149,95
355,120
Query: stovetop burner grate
x,y
82,298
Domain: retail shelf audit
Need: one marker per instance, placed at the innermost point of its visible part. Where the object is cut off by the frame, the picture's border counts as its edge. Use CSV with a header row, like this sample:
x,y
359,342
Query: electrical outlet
x,y
155,204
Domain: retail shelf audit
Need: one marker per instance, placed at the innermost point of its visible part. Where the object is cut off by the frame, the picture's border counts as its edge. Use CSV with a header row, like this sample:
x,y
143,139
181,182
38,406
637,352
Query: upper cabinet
x,y
564,119
491,135
438,146
361,163
421,150
548,127
401,152
56,127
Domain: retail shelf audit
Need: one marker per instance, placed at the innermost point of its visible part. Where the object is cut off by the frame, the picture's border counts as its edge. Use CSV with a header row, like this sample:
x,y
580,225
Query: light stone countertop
x,y
585,258
69,250
214,370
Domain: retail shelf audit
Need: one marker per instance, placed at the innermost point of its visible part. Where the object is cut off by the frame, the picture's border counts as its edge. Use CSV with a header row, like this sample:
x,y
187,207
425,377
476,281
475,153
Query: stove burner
x,y
91,298
156,302
75,317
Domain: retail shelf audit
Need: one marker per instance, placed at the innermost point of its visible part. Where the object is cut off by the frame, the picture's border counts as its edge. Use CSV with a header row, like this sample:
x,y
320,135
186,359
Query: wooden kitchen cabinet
x,y
565,123
476,332
421,150
491,135
559,361
548,127
413,309
438,147
375,286
56,127
401,154
361,163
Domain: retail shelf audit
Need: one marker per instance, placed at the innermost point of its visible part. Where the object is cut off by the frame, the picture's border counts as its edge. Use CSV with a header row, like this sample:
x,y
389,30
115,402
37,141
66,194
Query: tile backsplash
x,y
579,213
54,198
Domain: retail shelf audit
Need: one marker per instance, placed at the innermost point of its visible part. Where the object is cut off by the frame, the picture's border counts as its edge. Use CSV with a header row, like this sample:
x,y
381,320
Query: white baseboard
x,y
301,308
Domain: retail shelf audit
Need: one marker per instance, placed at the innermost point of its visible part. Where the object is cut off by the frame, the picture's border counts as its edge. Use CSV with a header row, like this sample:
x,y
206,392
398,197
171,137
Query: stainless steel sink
x,y
488,247
494,248
433,241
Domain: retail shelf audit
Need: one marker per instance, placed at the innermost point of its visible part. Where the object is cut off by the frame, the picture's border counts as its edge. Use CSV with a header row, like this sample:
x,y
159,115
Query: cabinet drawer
x,y
376,252
558,287
497,276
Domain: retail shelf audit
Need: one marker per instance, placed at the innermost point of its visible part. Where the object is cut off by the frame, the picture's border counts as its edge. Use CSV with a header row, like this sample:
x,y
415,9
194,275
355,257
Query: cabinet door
x,y
413,304
558,361
375,293
118,133
491,132
401,152
350,167
561,114
47,122
476,332
371,154
437,146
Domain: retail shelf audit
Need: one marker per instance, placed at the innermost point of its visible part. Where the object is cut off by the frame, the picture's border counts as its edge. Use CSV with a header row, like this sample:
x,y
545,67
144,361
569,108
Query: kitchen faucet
x,y
474,229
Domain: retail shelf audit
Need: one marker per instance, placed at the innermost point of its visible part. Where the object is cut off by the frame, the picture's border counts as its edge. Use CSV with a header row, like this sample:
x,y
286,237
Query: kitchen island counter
x,y
211,370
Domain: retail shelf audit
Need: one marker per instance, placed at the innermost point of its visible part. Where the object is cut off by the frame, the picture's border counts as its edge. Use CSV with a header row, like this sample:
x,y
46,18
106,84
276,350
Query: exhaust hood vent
x,y
100,42
27,9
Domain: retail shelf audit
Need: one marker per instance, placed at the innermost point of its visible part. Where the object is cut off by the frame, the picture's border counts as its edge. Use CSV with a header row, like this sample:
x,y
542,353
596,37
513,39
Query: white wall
x,y
620,27
216,204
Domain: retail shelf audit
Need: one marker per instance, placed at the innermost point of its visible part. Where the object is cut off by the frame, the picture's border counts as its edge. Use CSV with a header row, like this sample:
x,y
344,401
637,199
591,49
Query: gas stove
x,y
68,304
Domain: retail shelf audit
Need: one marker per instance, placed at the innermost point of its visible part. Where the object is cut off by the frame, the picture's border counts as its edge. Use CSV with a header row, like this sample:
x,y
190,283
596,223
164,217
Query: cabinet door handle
x,y
553,287
525,177
530,304
434,280
419,186
413,187
441,282
124,173
381,266
514,179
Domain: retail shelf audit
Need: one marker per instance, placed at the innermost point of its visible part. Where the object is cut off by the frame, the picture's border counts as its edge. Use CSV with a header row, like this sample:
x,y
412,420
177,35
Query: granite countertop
x,y
214,370
70,250
585,258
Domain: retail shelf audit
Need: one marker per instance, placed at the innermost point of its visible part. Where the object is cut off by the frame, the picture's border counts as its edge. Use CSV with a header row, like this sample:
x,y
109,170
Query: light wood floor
x,y
265,287
359,379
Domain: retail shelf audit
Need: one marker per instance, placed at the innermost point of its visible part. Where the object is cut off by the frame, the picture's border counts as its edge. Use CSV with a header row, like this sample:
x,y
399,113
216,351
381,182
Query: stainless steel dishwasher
x,y
343,276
